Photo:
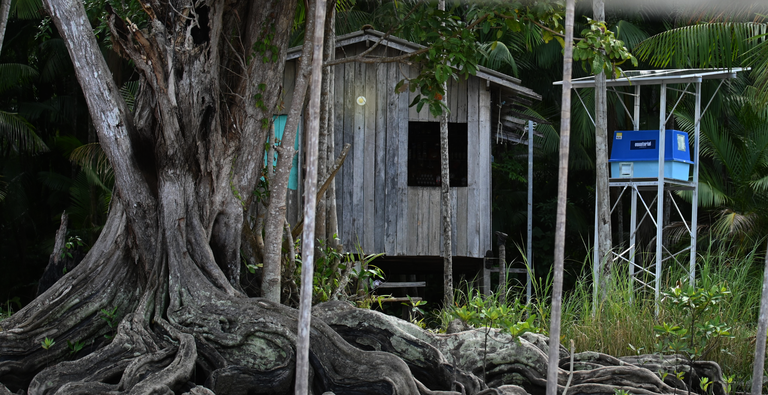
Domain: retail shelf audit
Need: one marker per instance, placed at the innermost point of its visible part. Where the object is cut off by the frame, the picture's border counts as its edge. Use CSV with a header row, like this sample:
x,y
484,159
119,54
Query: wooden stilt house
x,y
388,191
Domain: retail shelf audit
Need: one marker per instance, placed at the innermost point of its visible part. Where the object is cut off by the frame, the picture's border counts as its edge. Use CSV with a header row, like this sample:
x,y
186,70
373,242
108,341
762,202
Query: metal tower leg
x,y
660,192
695,196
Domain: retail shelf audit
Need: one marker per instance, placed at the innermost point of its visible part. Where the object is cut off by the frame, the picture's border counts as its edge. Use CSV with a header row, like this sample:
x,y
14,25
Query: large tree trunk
x,y
159,280
155,303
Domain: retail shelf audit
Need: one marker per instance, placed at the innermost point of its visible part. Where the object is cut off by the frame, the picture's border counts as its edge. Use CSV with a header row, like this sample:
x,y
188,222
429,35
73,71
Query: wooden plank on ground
x,y
380,200
402,284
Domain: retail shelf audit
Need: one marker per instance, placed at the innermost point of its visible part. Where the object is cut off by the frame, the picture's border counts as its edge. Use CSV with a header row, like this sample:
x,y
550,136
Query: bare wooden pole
x,y
604,243
501,241
562,191
310,191
762,327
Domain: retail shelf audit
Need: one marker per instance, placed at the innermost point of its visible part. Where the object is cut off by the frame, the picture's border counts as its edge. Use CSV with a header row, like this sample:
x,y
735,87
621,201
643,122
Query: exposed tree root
x,y
509,361
185,329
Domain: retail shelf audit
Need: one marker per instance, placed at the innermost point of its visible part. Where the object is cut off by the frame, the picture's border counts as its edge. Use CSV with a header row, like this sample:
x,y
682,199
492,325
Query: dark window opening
x,y
424,154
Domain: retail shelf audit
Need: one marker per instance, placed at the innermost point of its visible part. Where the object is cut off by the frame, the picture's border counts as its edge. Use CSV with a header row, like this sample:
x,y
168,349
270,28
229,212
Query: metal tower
x,y
686,82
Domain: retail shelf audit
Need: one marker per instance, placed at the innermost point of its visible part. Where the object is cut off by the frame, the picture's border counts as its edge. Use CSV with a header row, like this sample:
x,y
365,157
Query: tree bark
x,y
445,197
270,283
762,327
158,281
326,122
308,240
5,10
562,193
604,243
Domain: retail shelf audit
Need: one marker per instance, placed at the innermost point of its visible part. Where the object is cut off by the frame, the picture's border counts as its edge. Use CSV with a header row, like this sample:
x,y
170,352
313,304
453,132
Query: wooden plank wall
x,y
376,208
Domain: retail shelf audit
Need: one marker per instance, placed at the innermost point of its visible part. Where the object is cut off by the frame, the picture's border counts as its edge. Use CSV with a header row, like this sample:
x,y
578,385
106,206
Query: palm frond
x,y
497,55
350,20
19,135
26,9
66,144
676,232
128,91
14,74
630,34
35,110
56,62
703,45
760,184
54,181
757,58
91,156
549,139
730,224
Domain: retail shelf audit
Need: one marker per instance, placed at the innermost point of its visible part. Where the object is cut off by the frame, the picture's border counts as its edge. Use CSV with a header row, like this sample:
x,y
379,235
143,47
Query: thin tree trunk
x,y
5,9
278,186
326,122
562,191
310,190
331,219
762,327
445,197
604,243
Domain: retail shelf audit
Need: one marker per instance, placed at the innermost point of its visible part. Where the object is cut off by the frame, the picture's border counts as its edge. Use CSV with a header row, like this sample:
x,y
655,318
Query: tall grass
x,y
622,322
625,317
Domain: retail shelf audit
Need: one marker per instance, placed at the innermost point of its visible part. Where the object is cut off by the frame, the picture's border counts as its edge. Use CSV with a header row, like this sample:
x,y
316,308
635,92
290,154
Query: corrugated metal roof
x,y
406,46
656,77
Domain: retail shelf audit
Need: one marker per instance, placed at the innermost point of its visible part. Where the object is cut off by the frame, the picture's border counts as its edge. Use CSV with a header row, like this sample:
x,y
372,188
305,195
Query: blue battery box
x,y
635,154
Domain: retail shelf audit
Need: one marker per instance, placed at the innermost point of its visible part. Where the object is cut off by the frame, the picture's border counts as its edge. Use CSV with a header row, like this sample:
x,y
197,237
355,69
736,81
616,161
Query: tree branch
x,y
110,116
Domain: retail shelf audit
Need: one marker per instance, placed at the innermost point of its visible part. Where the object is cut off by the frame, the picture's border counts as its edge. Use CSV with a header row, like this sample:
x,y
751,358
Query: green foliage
x,y
601,50
698,328
111,318
415,312
7,310
128,11
487,312
47,343
72,244
719,44
75,347
337,277
264,46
